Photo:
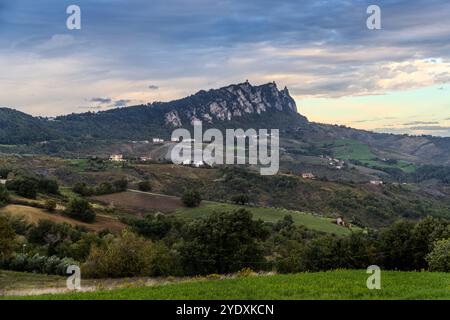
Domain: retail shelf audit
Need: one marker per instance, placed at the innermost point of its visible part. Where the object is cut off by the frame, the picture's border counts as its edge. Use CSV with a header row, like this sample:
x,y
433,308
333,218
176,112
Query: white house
x,y
376,182
116,157
2,181
158,140
308,175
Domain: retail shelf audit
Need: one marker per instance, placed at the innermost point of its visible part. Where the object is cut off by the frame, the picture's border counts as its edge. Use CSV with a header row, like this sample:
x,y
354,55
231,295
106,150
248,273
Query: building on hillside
x,y
308,175
376,182
158,140
116,158
2,181
145,158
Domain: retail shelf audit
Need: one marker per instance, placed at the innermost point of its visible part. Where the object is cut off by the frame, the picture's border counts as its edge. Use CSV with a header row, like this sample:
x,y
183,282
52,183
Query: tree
x,y
439,258
48,186
4,195
120,185
224,242
7,236
83,189
145,186
50,205
191,198
81,209
241,199
23,186
128,256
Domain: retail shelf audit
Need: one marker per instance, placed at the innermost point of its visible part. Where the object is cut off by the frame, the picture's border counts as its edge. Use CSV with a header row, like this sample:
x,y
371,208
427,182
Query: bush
x,y
145,186
191,198
7,236
128,256
224,242
80,209
37,264
120,185
23,186
50,205
240,199
4,195
48,186
83,189
439,258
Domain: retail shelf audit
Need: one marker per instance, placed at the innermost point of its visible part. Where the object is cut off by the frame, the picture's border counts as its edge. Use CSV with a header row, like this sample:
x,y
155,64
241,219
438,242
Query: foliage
x,y
80,209
191,198
439,258
4,195
145,186
127,256
50,205
36,263
7,236
224,242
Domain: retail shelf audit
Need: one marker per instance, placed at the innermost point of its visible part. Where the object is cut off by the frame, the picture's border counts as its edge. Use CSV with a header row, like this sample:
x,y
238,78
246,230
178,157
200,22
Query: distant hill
x,y
234,106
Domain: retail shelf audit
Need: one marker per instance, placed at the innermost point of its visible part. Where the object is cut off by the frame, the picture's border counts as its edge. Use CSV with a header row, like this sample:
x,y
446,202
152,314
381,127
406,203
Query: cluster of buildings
x,y
334,163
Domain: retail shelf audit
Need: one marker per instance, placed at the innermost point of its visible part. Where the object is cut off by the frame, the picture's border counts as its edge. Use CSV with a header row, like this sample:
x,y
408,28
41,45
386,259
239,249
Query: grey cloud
x,y
101,100
153,87
420,123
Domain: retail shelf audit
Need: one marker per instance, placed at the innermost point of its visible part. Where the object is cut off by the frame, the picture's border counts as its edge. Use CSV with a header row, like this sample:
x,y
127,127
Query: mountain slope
x,y
234,106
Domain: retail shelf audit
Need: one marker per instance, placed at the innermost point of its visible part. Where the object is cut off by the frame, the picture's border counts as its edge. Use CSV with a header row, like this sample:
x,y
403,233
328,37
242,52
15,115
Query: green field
x,y
348,149
339,284
313,222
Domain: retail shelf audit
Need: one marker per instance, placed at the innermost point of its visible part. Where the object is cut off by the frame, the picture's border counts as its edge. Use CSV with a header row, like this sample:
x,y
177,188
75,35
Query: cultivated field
x,y
33,215
340,284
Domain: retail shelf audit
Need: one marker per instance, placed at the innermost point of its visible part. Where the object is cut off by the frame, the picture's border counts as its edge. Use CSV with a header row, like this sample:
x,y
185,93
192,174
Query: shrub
x,y
4,195
48,186
83,189
191,198
80,209
145,186
224,242
439,258
120,185
127,256
37,264
240,199
50,205
7,236
23,186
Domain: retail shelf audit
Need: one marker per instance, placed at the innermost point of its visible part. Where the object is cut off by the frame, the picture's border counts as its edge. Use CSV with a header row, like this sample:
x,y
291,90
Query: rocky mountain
x,y
241,105
235,106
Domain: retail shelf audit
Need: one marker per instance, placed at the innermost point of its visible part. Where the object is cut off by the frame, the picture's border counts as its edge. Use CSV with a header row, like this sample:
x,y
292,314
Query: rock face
x,y
229,103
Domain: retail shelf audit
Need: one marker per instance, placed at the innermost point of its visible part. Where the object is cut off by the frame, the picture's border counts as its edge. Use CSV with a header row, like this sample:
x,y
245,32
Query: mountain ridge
x,y
234,106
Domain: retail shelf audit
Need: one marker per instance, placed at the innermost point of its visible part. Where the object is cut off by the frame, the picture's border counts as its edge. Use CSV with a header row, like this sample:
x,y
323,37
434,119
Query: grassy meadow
x,y
338,284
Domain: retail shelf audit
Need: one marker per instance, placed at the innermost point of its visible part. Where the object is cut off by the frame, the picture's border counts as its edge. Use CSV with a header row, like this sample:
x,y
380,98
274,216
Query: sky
x,y
396,79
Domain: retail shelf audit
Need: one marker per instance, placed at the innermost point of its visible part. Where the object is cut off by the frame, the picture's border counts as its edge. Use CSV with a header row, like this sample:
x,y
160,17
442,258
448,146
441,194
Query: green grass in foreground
x,y
313,222
340,284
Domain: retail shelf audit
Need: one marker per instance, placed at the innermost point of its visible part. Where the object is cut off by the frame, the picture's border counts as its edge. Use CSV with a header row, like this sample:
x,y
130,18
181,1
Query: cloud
x,y
420,123
101,100
121,103
319,49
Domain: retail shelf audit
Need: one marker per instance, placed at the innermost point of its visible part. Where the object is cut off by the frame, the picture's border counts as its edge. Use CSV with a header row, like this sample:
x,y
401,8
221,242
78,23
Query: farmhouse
x,y
308,175
158,140
376,182
116,158
145,158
